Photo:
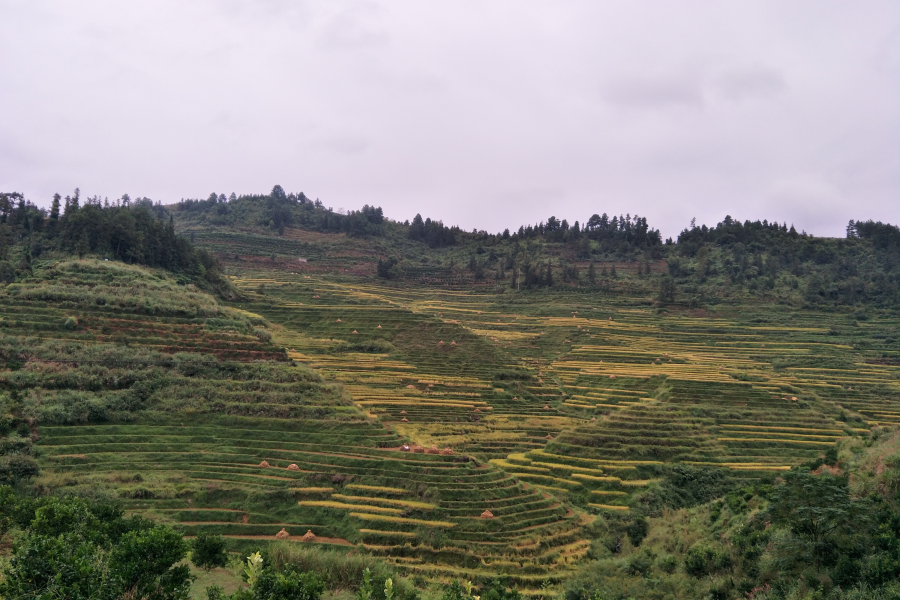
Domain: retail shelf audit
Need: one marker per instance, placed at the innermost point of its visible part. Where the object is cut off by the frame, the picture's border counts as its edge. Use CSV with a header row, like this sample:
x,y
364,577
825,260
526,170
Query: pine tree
x,y
592,274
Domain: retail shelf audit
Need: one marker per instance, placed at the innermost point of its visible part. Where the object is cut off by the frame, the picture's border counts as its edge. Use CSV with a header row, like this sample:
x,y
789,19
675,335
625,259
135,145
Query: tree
x,y
73,548
592,273
208,551
818,510
667,289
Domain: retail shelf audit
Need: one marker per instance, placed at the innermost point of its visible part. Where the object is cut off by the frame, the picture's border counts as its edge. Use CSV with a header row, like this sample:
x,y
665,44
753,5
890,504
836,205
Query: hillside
x,y
551,385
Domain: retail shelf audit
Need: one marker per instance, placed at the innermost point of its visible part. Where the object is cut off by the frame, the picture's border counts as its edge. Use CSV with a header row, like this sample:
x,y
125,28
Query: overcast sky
x,y
484,114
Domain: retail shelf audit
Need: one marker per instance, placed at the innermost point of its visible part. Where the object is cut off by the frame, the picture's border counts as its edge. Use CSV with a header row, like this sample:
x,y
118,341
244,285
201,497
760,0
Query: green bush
x,y
208,551
17,467
291,585
701,560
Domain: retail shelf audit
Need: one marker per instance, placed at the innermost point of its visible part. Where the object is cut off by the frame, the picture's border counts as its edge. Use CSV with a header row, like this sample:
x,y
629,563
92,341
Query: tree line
x,y
132,231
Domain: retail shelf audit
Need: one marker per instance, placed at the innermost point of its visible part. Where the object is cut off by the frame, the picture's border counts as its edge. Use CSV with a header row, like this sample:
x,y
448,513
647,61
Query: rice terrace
x,y
580,410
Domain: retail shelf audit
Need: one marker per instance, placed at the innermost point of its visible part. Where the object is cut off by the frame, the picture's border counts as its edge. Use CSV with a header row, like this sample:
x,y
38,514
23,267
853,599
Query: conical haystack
x,y
546,407
282,535
264,464
309,536
447,451
549,437
293,467
404,420
612,376
487,515
433,450
402,412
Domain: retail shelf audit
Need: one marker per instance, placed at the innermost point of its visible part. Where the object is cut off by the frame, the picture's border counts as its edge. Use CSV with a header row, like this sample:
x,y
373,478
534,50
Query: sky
x,y
484,114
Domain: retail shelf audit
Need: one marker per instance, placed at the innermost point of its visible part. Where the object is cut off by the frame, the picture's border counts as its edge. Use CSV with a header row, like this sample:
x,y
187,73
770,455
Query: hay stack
x,y
410,387
477,410
282,535
487,515
354,331
418,450
549,437
404,420
264,464
593,418
379,327
447,451
338,321
546,407
402,412
515,397
453,343
433,450
441,343
293,467
309,536
612,376
404,448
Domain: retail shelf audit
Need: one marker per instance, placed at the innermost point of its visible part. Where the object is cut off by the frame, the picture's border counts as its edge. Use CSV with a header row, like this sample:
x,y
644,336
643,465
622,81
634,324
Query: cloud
x,y
660,92
482,114
341,144
749,82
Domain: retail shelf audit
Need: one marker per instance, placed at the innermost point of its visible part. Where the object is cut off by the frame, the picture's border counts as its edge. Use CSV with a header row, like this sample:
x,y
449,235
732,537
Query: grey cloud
x,y
347,145
482,114
654,92
749,82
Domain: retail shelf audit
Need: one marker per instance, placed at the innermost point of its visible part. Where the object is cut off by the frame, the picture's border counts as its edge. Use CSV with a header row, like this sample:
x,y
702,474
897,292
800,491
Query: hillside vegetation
x,y
578,409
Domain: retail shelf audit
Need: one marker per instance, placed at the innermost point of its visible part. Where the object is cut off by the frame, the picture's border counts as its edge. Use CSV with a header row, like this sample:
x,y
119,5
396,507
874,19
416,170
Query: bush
x,y
637,530
70,323
214,592
208,551
16,467
274,585
702,560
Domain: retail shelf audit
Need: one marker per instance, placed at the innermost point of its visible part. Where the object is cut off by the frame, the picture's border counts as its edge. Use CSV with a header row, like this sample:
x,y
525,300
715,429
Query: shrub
x,y
702,560
263,335
637,530
208,551
273,585
215,592
70,323
16,467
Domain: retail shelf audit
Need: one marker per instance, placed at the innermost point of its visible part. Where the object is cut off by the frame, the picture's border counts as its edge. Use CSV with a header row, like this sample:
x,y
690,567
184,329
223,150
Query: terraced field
x,y
574,393
523,415
348,482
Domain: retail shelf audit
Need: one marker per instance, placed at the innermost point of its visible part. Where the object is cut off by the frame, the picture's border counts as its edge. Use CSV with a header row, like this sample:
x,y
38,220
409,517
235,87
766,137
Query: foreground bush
x,y
72,548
